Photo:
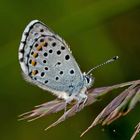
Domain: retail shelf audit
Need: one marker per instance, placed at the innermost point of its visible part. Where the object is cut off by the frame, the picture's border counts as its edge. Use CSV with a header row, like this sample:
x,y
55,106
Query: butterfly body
x,y
47,62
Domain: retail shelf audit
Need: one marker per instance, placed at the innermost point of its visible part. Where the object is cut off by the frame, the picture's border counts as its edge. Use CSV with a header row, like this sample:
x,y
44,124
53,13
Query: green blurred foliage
x,y
96,30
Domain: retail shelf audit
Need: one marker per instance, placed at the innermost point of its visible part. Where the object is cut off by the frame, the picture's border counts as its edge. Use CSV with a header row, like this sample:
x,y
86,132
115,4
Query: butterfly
x,y
47,62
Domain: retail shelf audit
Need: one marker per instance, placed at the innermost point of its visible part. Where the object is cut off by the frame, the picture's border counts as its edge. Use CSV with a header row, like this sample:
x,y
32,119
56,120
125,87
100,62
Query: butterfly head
x,y
88,80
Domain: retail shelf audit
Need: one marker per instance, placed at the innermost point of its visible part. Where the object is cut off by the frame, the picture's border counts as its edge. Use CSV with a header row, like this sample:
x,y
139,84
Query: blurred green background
x,y
96,30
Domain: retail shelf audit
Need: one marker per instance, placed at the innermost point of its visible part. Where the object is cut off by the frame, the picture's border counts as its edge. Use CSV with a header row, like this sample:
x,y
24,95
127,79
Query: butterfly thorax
x,y
80,90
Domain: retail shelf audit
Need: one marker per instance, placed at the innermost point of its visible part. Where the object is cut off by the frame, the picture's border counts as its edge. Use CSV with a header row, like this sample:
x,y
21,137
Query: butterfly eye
x,y
88,79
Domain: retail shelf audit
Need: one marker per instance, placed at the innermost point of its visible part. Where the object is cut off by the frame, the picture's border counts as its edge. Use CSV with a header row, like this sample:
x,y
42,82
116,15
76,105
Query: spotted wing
x,y
46,60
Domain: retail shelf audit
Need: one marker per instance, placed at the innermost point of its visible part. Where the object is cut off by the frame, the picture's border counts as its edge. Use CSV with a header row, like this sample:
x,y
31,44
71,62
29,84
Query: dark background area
x,y
96,30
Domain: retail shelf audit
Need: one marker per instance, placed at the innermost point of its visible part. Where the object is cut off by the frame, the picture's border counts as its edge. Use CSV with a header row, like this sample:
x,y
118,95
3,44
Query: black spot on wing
x,y
21,59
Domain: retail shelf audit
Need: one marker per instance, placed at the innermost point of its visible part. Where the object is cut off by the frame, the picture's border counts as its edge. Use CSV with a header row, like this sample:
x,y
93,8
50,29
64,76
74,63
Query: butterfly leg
x,y
70,112
75,108
85,100
82,98
68,101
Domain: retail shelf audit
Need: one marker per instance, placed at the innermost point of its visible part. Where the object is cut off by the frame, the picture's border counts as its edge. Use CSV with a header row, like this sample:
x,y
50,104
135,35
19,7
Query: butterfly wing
x,y
46,60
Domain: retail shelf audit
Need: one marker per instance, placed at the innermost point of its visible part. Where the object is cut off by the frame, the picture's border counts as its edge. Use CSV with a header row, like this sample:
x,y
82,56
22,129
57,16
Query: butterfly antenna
x,y
107,62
